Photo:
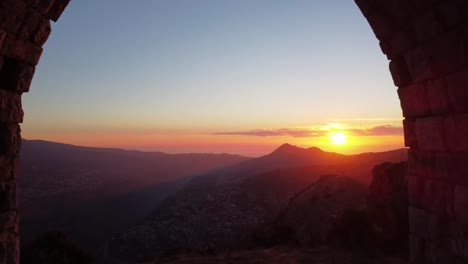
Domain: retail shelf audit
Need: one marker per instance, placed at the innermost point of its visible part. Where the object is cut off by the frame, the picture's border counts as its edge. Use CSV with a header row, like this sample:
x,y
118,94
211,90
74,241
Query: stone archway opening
x,y
427,45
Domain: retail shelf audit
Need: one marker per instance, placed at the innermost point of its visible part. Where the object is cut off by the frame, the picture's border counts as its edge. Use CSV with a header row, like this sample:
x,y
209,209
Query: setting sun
x,y
338,138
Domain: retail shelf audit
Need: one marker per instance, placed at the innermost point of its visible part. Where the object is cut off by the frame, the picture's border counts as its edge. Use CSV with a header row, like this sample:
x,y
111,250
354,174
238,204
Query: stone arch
x,y
426,42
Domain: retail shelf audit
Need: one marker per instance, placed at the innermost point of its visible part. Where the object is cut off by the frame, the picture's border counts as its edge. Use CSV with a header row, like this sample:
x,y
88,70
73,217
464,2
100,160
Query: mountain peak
x,y
286,148
315,149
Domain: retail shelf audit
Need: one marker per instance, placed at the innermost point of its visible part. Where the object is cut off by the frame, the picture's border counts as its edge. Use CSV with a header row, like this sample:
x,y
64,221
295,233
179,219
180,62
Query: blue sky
x,y
200,67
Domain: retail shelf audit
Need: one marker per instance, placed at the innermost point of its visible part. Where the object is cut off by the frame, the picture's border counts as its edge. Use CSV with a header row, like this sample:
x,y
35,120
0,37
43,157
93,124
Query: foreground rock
x,y
387,204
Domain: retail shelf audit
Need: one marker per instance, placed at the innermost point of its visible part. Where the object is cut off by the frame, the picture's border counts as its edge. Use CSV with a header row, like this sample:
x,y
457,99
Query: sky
x,y
214,76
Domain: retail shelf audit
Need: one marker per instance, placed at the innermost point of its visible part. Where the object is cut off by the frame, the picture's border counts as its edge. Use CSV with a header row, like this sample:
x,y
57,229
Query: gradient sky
x,y
213,76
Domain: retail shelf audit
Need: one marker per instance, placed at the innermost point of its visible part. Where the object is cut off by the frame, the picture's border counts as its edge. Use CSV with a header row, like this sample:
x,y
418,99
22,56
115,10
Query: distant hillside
x,y
92,193
221,209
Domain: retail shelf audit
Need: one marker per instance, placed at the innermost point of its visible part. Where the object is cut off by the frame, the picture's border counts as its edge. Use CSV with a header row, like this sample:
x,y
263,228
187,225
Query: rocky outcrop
x,y
226,209
387,204
312,212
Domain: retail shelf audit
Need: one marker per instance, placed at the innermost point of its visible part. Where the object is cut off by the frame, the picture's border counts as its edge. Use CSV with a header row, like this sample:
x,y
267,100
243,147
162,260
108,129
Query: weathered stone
x,y
387,205
438,97
430,133
16,76
460,207
400,42
7,165
419,65
21,50
417,250
451,13
381,25
3,35
427,27
416,185
414,101
7,196
437,253
13,251
12,14
409,132
457,88
400,74
401,11
10,139
450,168
438,197
3,253
10,107
459,246
427,225
35,28
447,54
8,221
456,129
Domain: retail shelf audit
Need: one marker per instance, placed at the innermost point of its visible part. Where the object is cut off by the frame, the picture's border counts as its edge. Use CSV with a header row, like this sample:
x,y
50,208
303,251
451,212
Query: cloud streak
x,y
381,130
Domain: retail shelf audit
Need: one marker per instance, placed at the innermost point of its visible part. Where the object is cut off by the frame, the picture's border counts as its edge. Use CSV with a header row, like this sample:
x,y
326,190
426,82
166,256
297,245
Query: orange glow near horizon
x,y
343,138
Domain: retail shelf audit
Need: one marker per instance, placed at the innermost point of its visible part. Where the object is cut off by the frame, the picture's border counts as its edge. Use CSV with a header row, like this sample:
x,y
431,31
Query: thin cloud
x,y
276,133
382,130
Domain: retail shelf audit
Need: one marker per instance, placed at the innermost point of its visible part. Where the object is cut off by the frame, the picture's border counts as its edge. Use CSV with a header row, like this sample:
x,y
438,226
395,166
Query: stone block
x,y
7,168
451,168
455,130
460,207
21,50
3,35
416,185
13,250
417,250
16,76
10,107
437,253
10,139
451,13
35,28
457,88
409,132
427,27
400,74
437,94
414,101
7,196
428,226
438,198
12,14
419,65
381,24
9,221
459,246
447,53
399,43
430,133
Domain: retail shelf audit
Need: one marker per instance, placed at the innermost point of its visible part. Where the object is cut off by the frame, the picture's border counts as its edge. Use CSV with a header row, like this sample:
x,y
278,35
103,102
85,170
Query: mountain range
x,y
92,193
225,208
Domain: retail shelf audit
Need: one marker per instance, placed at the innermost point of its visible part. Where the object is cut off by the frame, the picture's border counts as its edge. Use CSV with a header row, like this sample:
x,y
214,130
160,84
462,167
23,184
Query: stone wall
x,y
24,28
426,42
